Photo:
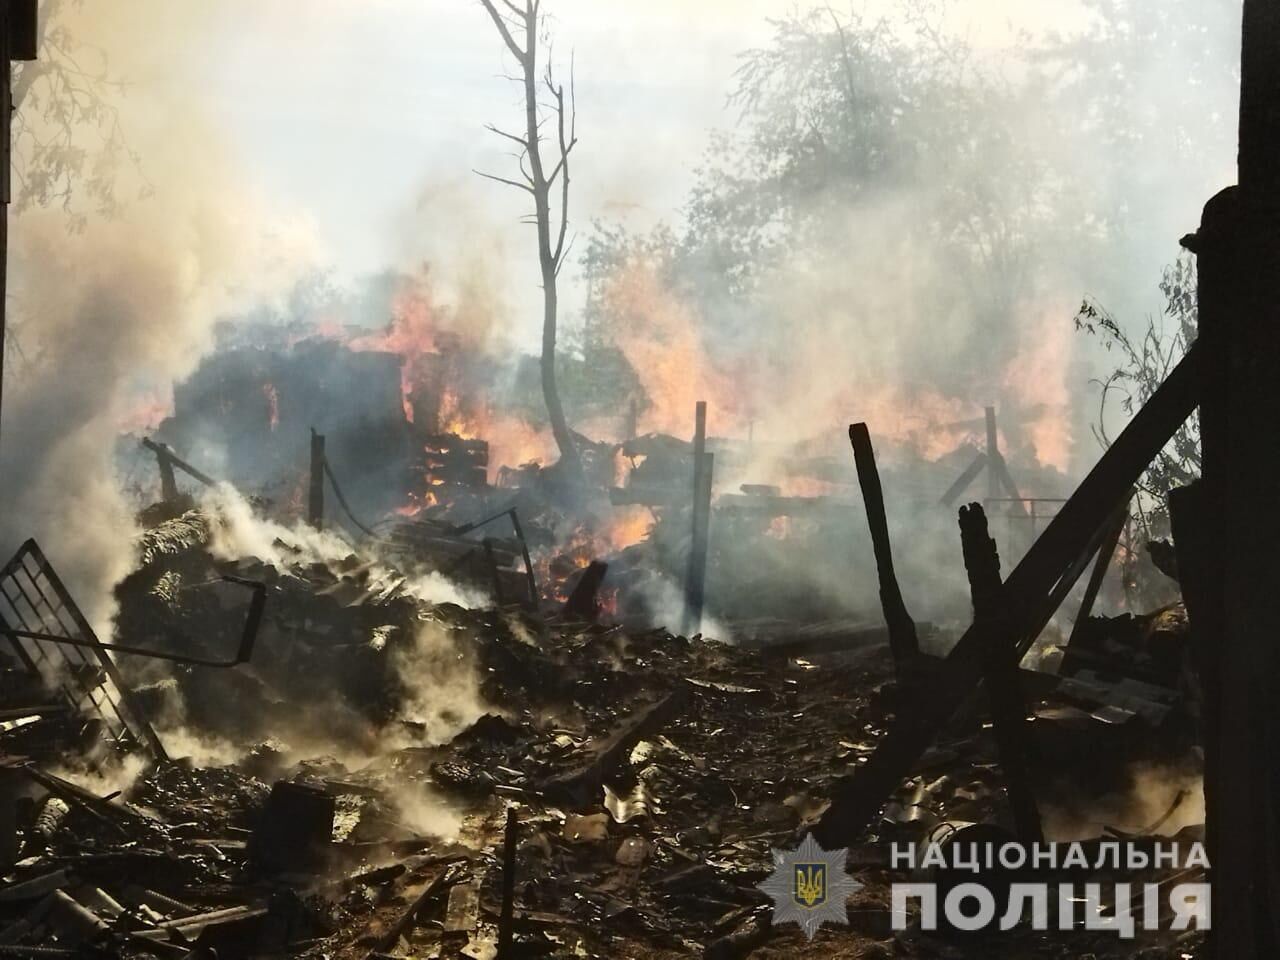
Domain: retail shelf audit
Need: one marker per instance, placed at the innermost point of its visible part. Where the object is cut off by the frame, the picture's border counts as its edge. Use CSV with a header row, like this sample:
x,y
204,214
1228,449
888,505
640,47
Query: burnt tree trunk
x,y
540,184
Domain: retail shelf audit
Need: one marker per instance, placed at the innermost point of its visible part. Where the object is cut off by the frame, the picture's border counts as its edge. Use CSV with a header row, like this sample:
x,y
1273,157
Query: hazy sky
x,y
361,120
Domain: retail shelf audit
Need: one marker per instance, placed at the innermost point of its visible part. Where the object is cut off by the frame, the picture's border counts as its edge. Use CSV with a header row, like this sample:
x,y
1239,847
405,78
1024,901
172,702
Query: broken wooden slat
x,y
163,452
857,798
583,784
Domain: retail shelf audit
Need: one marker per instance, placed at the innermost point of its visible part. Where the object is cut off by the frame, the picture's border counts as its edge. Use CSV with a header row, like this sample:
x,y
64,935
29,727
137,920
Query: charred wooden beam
x,y
1022,598
1200,575
823,638
167,460
1237,523
993,454
1100,568
962,482
696,575
1008,707
903,641
494,570
582,784
506,919
584,602
315,497
168,482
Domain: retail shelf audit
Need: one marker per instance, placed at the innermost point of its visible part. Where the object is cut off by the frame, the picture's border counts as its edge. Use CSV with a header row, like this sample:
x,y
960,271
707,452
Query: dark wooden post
x,y
696,576
506,919
1008,709
903,642
633,419
1027,595
168,482
19,39
1235,517
993,454
315,501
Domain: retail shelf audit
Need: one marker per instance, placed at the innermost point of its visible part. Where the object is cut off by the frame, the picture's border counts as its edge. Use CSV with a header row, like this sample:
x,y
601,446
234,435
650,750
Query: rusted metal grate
x,y
33,598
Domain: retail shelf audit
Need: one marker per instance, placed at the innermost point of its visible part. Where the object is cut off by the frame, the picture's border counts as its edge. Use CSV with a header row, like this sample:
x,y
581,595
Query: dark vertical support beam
x,y
698,555
1200,577
1008,709
168,482
19,40
506,919
695,576
1100,568
633,420
315,499
993,455
6,135
494,572
1025,595
528,561
1238,523
903,642
584,601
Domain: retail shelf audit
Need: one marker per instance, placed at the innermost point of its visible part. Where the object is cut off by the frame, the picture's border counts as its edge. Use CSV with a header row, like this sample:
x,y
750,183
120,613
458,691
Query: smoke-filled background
x,y
804,214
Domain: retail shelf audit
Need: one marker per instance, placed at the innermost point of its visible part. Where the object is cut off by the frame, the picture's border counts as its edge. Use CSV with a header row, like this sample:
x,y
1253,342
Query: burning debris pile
x,y
404,767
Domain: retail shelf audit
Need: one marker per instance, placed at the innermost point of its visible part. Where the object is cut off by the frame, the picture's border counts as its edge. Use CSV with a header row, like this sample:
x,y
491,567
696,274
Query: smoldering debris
x,y
346,793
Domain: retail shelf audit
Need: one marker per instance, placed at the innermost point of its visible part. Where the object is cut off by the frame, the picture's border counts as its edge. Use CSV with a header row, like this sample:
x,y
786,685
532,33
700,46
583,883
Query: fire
x,y
628,526
146,413
658,334
809,487
1038,377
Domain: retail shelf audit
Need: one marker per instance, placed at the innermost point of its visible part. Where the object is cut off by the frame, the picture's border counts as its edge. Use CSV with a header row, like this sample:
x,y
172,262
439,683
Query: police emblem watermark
x,y
1043,887
809,886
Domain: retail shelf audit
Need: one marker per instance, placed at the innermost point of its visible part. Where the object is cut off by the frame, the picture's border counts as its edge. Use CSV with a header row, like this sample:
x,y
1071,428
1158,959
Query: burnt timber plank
x,y
1023,596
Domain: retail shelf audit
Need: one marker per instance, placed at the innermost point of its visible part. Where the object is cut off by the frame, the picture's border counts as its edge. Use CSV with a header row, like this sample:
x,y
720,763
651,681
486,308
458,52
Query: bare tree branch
x,y
510,136
510,183
562,168
504,30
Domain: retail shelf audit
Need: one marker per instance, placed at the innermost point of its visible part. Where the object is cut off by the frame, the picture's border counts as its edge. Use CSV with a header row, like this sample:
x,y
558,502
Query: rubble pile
x,y
356,804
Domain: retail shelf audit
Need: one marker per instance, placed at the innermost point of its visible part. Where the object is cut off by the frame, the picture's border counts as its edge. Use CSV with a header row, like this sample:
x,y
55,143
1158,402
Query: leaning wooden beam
x,y
1100,568
1022,597
163,452
1008,708
962,482
903,641
582,784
